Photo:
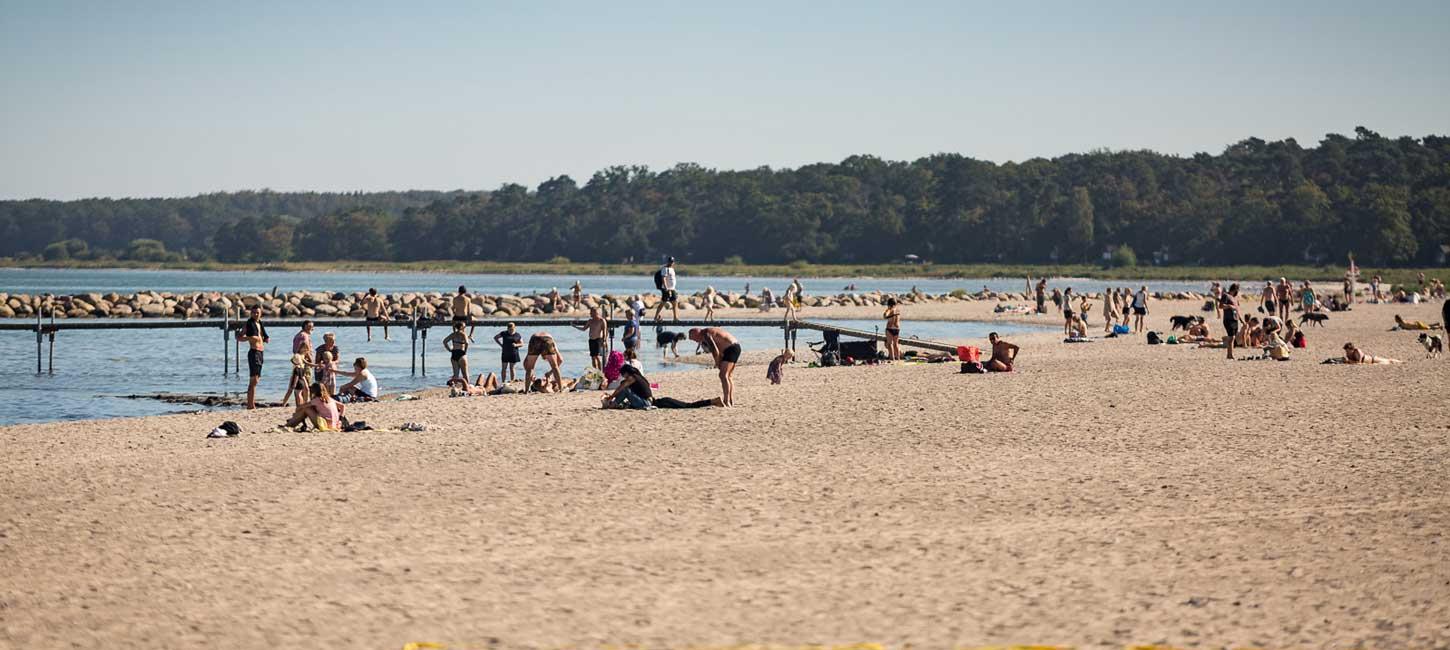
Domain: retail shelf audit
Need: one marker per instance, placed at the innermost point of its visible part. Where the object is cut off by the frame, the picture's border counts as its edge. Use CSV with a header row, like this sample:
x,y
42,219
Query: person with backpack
x,y
665,282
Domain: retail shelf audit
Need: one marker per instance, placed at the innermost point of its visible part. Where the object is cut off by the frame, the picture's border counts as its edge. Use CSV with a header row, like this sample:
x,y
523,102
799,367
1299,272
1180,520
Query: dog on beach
x,y
665,339
1312,317
1434,345
1185,322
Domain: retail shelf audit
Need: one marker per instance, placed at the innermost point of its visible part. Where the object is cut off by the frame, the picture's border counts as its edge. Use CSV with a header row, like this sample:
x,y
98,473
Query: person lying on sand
x,y
542,385
1004,354
1356,356
485,385
1197,333
634,392
1403,324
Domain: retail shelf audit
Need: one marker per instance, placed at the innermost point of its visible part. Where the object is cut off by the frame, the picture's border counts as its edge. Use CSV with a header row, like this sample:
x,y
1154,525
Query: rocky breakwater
x,y
402,306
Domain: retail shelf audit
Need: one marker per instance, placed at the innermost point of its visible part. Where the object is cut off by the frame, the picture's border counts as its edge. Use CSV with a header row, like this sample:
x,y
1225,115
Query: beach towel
x,y
1121,329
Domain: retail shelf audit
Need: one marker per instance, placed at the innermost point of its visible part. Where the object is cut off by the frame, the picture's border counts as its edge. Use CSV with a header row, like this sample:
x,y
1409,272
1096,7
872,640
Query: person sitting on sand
x,y
634,392
1402,324
1356,356
322,412
1276,347
1076,328
775,372
363,387
1004,354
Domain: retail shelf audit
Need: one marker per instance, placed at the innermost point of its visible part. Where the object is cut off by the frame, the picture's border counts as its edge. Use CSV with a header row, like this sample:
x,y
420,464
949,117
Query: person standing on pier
x,y
462,309
256,336
665,282
372,305
578,294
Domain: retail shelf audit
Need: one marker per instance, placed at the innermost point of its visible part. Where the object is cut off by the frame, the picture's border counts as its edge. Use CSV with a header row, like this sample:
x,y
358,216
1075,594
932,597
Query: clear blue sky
x,y
169,99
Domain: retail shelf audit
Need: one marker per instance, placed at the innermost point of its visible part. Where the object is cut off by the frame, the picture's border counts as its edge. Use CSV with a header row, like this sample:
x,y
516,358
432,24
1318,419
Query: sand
x,y
1108,494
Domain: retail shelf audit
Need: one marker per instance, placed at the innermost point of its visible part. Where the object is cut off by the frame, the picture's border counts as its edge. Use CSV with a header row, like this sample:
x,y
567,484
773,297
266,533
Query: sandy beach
x,y
1108,494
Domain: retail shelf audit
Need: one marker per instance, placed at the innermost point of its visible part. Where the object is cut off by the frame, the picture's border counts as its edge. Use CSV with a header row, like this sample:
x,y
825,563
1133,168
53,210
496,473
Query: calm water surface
x,y
94,371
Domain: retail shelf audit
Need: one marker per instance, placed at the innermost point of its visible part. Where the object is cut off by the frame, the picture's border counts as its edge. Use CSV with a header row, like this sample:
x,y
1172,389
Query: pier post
x,y
423,354
37,340
413,358
50,359
226,327
237,349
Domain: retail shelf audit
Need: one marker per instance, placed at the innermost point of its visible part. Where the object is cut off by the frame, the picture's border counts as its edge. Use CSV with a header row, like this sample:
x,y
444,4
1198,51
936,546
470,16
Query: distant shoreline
x,y
907,271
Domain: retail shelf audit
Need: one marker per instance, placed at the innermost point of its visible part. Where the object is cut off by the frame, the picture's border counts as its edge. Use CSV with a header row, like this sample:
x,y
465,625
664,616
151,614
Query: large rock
x,y
154,310
122,309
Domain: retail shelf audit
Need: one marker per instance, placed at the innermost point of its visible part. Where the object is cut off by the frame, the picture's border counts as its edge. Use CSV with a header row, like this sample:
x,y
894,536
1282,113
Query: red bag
x,y
969,354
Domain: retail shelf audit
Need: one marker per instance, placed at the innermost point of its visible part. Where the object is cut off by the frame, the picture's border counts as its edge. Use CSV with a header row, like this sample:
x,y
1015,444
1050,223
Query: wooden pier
x,y
418,328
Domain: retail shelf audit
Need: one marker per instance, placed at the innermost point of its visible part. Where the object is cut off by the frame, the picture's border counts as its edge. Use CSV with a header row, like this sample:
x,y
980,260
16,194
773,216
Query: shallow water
x,y
94,370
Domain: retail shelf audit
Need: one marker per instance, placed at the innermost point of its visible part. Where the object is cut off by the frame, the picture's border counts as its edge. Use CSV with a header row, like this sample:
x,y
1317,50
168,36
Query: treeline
x,y
163,229
1385,200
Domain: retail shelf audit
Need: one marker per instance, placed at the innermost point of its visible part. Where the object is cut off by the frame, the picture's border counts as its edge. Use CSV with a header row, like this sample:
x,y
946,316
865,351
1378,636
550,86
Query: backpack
x,y
660,278
973,368
1154,338
830,359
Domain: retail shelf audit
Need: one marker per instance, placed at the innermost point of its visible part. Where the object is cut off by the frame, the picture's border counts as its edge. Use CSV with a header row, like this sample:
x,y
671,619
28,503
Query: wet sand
x,y
1107,494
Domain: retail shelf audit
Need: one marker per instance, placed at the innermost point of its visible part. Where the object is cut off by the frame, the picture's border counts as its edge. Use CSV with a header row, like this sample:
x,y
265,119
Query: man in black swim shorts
x,y
726,350
255,334
542,345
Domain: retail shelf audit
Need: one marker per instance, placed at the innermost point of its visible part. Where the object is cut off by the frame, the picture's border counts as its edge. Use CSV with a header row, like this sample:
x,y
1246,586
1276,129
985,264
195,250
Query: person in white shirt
x,y
363,387
1140,308
666,282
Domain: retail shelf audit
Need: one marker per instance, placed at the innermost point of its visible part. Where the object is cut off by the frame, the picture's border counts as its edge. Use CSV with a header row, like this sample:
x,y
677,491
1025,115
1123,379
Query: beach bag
x,y
968,354
1122,329
660,279
973,368
830,360
1154,338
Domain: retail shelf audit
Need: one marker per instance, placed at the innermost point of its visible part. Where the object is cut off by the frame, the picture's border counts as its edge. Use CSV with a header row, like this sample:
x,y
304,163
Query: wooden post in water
x,y
226,328
50,359
237,349
38,313
423,354
413,358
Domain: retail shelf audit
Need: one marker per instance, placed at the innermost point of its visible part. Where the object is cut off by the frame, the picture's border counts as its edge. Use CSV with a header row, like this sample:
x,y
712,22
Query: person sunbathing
x,y
1356,356
488,384
542,385
1197,333
1403,324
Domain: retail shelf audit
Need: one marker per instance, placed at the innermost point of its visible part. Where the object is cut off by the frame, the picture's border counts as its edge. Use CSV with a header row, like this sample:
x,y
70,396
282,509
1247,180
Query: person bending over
x,y
725,348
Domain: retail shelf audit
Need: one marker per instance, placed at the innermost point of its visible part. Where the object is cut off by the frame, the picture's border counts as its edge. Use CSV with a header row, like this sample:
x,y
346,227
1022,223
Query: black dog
x,y
1316,318
1185,322
666,339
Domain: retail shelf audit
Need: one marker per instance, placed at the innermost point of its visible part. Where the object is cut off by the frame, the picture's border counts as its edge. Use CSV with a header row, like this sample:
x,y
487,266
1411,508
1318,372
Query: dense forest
x,y
1385,200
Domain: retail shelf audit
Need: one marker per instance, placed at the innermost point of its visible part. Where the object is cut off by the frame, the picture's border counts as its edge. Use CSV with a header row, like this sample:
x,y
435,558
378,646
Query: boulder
x,y
154,310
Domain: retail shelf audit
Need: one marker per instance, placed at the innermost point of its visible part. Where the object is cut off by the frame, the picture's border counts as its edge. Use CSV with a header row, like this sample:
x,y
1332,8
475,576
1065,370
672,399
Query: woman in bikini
x,y
893,329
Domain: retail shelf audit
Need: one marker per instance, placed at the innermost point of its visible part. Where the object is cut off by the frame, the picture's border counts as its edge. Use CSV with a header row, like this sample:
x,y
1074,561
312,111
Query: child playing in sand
x,y
776,372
